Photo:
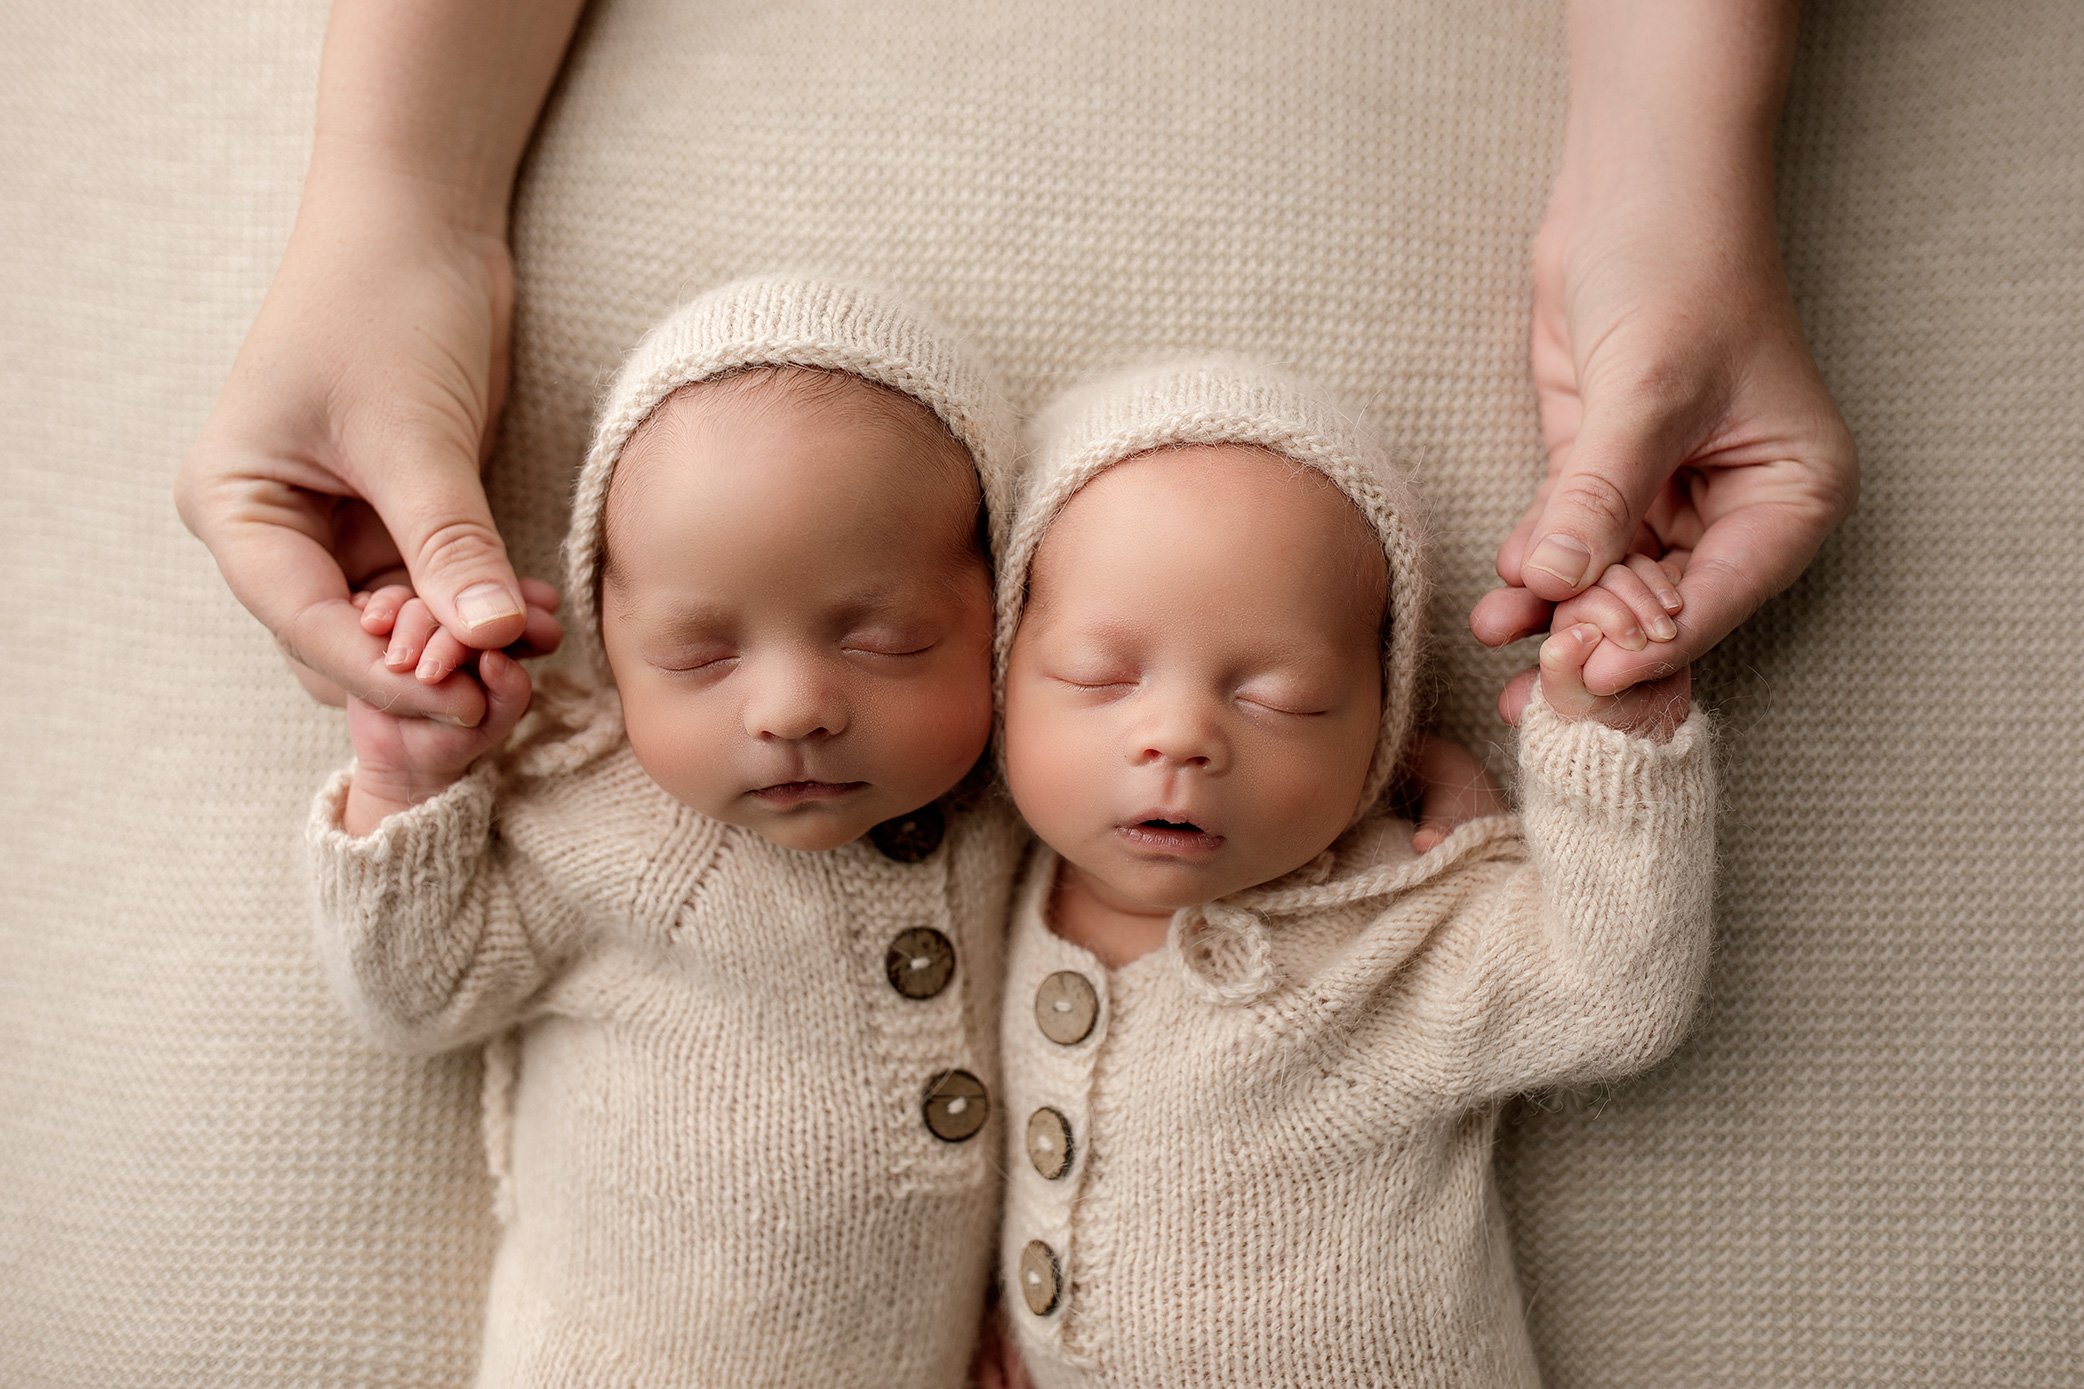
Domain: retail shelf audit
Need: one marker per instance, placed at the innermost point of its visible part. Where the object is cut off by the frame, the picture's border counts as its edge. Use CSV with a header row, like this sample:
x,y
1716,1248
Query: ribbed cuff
x,y
434,840
1584,763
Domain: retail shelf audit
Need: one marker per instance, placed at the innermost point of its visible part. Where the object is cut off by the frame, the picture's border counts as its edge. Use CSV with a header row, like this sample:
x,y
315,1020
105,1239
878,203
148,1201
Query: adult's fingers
x,y
1512,700
1508,614
433,503
317,686
1631,441
269,540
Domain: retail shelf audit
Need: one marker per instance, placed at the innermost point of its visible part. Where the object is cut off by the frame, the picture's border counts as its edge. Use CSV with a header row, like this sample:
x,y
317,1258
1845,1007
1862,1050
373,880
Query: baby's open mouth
x,y
1169,836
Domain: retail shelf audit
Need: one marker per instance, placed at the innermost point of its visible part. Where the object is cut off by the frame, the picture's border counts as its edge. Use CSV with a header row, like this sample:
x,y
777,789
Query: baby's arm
x,y
430,928
1584,959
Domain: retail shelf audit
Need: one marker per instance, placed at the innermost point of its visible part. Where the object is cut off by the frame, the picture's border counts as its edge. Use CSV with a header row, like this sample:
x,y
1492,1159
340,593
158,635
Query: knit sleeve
x,y
431,929
1584,960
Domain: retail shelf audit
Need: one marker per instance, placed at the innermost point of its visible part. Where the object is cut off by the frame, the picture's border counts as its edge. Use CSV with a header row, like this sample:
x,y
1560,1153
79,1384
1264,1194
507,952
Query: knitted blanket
x,y
1866,1167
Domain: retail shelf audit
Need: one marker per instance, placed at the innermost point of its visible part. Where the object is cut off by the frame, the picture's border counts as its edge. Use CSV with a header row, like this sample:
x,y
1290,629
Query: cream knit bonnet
x,y
1229,401
785,320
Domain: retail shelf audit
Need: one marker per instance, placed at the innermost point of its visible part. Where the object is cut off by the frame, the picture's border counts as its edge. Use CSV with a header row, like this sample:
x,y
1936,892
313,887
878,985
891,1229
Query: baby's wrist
x,y
1655,718
374,798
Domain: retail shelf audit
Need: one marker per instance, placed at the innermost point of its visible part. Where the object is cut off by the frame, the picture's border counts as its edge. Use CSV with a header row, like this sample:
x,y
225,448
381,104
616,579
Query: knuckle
x,y
457,544
1655,387
1595,495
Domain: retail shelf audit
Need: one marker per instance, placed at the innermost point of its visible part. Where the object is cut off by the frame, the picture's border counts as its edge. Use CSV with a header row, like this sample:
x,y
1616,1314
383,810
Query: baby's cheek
x,y
679,747
1049,768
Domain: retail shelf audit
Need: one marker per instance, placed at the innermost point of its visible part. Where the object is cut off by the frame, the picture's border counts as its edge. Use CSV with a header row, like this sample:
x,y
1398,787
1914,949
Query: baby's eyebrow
x,y
697,619
847,606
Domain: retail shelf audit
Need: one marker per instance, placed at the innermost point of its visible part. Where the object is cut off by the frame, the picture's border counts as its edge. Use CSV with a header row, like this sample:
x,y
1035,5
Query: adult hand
x,y
350,433
1680,407
1681,410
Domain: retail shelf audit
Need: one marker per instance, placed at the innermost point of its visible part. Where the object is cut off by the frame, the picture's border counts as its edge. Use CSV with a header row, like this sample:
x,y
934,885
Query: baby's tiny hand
x,y
1653,709
1452,787
403,759
420,644
1633,604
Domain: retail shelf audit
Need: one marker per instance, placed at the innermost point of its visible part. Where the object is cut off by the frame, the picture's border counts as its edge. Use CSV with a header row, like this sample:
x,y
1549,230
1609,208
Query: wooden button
x,y
1049,1142
1041,1283
910,838
1066,1006
920,962
956,1106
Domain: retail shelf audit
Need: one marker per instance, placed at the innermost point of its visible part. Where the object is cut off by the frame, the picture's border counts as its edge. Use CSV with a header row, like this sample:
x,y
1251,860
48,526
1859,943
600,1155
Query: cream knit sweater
x,y
741,1148
740,1105
1261,1156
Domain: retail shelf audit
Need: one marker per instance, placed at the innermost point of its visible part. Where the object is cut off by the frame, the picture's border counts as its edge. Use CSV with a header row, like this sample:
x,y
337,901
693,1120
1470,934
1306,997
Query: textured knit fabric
x,y
1298,1190
1860,1171
719,1163
1280,1123
737,1146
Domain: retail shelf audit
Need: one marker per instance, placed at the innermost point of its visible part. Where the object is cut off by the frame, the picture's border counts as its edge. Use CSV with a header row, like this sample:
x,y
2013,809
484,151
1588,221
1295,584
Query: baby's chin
x,y
1162,887
1160,890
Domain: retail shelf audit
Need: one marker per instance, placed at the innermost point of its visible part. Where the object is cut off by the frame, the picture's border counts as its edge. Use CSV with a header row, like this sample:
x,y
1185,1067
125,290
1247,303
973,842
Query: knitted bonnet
x,y
785,321
1228,401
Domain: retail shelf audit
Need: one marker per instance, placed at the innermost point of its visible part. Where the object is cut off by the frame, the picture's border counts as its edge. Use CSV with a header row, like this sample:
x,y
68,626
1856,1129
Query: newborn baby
x,y
1254,1046
741,901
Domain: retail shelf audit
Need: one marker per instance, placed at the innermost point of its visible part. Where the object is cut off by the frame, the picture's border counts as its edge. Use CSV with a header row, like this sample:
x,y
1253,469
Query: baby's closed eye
x,y
1302,704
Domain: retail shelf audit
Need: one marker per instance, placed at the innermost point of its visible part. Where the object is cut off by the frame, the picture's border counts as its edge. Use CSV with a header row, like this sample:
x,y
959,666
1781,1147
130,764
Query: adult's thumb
x,y
436,511
1623,454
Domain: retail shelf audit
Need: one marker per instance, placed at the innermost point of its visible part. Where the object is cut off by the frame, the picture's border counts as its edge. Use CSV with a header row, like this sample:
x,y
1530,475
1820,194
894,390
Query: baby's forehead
x,y
1233,507
852,443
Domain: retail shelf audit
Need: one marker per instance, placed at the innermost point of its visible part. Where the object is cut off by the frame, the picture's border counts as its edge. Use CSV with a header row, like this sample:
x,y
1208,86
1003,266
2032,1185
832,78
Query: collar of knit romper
x,y
783,320
1222,946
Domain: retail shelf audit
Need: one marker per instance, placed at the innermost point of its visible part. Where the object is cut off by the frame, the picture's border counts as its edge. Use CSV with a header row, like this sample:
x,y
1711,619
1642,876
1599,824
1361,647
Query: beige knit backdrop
x,y
1865,1167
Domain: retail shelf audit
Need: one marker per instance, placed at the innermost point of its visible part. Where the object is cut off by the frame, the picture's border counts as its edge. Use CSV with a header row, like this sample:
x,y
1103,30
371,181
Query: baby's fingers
x,y
442,654
1563,658
380,607
1640,610
507,693
409,634
1661,577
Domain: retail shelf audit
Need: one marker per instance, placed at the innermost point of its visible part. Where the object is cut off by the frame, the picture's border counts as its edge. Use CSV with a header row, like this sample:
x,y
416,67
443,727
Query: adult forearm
x,y
440,93
1691,89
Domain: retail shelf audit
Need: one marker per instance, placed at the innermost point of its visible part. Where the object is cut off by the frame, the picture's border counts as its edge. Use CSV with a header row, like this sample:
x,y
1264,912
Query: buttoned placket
x,y
1062,1001
919,1001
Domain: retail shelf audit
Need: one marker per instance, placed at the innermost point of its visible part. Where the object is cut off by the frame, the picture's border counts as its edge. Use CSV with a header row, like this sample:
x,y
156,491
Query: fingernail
x,y
1663,628
487,602
1671,600
430,670
1586,632
1562,556
395,657
451,720
1633,639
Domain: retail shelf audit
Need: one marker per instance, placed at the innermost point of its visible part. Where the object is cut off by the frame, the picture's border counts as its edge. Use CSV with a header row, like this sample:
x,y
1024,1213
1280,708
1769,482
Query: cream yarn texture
x,y
1860,1170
